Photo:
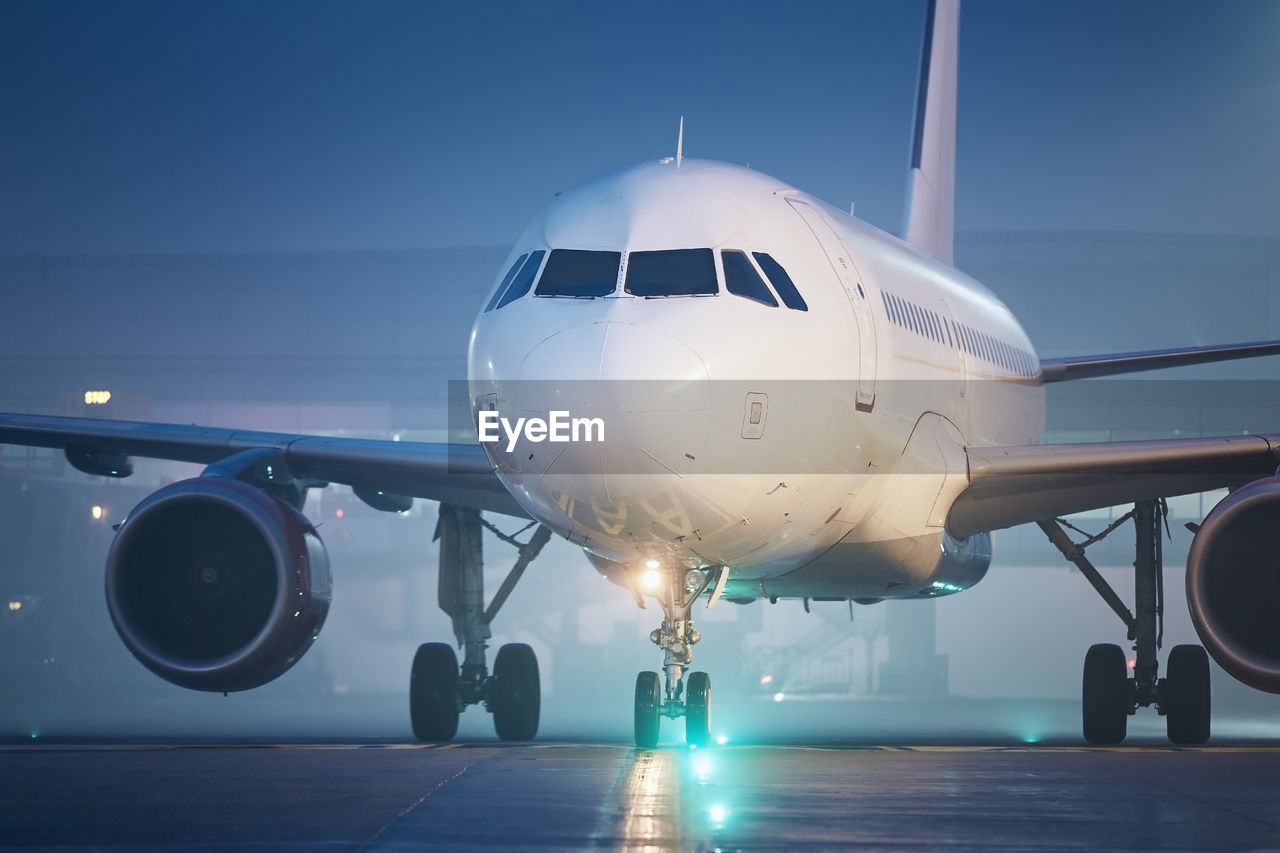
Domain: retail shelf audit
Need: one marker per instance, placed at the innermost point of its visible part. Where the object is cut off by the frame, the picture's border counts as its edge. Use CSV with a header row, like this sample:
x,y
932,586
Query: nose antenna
x,y
680,143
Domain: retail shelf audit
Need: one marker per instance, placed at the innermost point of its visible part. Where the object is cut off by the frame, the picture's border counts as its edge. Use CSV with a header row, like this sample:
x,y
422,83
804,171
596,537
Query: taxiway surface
x,y
482,796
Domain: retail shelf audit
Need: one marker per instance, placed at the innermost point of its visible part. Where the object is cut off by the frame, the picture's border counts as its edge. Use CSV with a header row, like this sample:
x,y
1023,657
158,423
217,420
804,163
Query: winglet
x,y
680,143
929,223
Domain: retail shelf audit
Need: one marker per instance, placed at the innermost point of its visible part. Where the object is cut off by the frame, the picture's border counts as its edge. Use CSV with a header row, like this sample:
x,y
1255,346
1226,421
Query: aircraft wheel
x,y
648,704
1105,694
697,710
433,692
1185,695
516,694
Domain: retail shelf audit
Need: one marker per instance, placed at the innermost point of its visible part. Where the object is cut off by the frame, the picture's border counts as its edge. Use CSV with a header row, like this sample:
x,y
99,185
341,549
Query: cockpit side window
x,y
578,272
781,282
741,278
671,272
506,282
524,280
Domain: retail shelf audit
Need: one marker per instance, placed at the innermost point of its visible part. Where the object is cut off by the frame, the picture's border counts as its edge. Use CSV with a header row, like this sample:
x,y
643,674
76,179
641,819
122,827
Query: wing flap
x,y
1021,484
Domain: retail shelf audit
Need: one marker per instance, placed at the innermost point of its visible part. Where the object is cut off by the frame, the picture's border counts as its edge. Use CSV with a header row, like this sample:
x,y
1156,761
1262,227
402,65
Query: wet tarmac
x,y
483,795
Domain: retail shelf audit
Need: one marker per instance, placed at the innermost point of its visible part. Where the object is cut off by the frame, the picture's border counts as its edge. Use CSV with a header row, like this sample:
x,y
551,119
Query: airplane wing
x,y
1021,484
1090,366
457,473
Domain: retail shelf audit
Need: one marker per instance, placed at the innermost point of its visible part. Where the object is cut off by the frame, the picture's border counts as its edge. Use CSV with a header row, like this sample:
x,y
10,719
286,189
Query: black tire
x,y
697,710
648,704
1185,697
515,697
1105,694
433,692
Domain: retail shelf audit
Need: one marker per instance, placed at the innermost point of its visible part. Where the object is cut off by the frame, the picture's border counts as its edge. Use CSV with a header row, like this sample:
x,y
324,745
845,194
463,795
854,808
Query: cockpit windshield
x,y
673,272
578,272
588,273
521,283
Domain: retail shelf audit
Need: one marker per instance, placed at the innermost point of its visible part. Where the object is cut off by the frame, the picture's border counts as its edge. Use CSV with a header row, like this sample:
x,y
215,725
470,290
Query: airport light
x,y
766,679
722,740
96,512
15,605
779,696
97,398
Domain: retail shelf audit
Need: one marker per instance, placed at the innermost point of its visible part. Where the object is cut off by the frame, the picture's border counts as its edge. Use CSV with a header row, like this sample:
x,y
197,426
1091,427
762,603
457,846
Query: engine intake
x,y
215,585
1233,584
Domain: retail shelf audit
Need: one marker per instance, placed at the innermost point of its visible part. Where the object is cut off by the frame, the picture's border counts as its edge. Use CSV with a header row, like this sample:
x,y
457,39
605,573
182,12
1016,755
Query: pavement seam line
x,y
377,835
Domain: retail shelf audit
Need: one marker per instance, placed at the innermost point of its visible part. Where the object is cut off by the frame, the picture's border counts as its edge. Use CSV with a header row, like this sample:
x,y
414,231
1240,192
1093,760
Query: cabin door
x,y
842,264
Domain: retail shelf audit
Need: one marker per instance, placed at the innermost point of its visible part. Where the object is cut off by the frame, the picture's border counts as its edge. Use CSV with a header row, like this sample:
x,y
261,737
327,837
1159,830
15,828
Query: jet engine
x,y
215,585
1233,584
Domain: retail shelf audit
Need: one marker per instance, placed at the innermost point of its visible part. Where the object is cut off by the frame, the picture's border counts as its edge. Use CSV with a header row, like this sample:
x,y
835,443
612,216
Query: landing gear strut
x,y
1109,696
676,591
438,689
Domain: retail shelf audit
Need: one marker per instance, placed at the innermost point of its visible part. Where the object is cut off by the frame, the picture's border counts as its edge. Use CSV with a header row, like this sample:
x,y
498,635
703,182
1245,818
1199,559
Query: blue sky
x,y
251,126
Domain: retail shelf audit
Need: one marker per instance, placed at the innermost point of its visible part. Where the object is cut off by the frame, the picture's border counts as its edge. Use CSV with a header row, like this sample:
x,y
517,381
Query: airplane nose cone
x,y
647,389
643,403
612,351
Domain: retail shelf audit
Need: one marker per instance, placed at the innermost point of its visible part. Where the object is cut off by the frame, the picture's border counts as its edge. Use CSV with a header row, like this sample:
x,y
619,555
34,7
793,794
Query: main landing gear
x,y
676,591
438,689
1109,695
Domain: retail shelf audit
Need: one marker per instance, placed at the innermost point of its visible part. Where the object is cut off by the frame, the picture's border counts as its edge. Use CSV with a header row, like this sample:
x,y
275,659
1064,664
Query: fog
x,y
1000,662
285,218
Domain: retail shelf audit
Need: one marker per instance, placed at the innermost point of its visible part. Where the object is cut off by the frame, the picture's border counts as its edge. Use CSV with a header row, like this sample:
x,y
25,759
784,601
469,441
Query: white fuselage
x,y
814,452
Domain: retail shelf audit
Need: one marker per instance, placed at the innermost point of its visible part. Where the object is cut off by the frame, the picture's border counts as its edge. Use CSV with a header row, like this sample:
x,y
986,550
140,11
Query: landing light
x,y
651,564
651,578
766,679
718,813
722,740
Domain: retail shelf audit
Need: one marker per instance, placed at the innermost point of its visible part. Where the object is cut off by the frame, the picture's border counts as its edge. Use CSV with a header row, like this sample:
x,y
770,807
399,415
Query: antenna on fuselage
x,y
680,143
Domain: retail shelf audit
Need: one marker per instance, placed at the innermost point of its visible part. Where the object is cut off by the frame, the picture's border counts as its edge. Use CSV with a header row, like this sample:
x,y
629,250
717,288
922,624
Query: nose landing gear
x,y
676,592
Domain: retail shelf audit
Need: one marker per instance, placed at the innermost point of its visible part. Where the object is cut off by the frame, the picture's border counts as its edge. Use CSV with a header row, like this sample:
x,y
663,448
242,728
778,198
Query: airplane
x,y
721,389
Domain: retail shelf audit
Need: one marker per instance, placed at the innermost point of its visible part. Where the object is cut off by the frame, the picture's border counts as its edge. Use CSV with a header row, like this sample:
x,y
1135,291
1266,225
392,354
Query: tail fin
x,y
931,191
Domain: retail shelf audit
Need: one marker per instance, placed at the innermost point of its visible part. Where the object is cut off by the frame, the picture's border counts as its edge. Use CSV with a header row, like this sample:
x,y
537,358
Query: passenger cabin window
x,y
524,279
781,282
672,272
506,282
741,278
577,272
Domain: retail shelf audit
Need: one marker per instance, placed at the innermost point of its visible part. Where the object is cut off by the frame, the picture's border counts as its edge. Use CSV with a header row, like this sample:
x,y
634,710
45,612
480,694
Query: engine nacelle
x,y
1233,584
215,585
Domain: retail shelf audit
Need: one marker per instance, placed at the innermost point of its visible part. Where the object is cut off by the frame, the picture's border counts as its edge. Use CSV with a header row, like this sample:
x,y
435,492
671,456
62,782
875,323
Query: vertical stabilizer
x,y
931,188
